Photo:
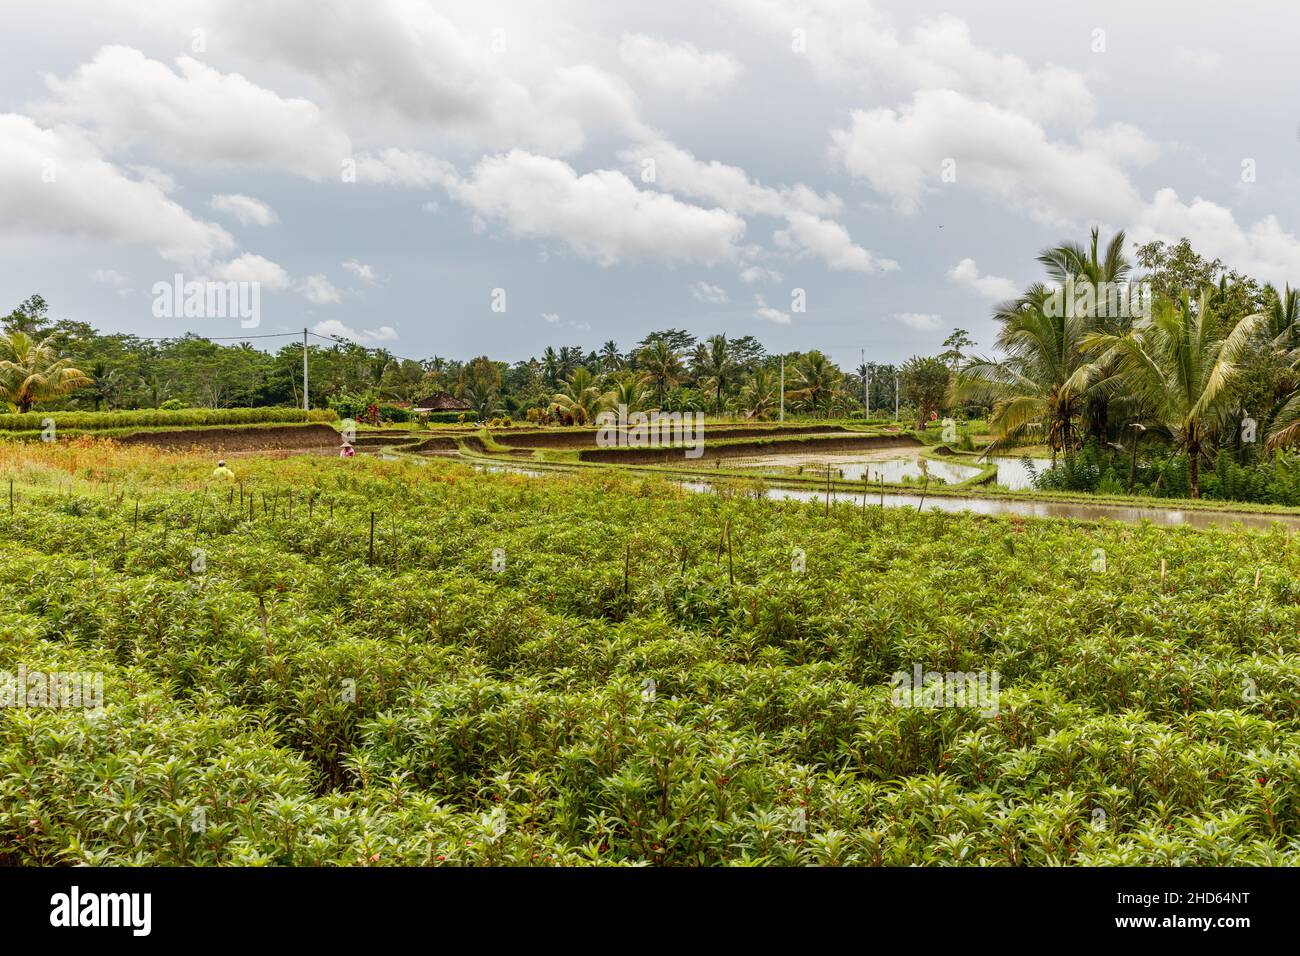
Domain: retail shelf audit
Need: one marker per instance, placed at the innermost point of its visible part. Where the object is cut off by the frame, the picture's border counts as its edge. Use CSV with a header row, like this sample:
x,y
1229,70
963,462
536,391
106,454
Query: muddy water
x,y
1013,474
1170,517
1131,514
884,463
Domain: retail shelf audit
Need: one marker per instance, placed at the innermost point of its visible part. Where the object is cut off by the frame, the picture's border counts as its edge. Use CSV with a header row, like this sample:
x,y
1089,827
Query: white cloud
x,y
408,61
805,211
850,43
402,167
363,272
751,274
337,329
991,287
1263,250
922,322
764,311
247,210
704,292
601,215
318,290
678,68
253,268
993,151
830,242
109,277
195,115
553,318
91,197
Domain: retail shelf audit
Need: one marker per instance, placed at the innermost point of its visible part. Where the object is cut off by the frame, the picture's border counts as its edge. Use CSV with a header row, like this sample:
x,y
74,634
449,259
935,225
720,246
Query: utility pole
x,y
782,388
866,387
304,370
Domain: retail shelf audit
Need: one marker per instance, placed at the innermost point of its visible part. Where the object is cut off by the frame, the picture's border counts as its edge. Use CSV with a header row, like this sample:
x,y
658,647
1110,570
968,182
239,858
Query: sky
x,y
456,179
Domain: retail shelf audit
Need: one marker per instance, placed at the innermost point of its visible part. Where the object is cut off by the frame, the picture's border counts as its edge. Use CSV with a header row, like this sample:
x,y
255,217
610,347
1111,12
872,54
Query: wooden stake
x,y
731,567
266,637
1257,578
1162,573
627,566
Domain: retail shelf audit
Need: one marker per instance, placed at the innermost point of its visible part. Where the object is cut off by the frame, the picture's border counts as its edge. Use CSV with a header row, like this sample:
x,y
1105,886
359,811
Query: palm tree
x,y
662,367
1075,266
32,371
610,357
715,367
1282,318
1040,387
816,381
1178,371
628,390
758,396
579,396
551,366
483,398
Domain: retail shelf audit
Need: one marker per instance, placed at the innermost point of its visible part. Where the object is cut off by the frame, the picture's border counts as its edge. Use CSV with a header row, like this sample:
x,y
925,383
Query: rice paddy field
x,y
371,662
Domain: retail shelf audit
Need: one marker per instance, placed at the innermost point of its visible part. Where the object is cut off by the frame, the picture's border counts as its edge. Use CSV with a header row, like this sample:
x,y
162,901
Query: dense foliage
x,y
471,684
160,418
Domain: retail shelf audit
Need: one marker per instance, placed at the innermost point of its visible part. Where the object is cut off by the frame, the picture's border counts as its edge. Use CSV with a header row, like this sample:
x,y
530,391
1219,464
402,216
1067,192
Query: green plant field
x,y
423,698
160,418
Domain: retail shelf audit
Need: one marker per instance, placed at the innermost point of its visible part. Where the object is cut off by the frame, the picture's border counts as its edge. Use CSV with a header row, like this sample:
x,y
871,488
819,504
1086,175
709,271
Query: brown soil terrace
x,y
746,449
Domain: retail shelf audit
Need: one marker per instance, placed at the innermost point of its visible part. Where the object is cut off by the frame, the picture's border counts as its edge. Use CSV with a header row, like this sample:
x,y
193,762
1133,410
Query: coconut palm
x,y
759,396
627,390
715,368
1282,318
484,399
661,366
816,381
1039,389
579,396
32,371
1108,309
610,357
1178,371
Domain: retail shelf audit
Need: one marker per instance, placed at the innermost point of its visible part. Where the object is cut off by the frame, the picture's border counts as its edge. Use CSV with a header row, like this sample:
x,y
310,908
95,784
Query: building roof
x,y
442,402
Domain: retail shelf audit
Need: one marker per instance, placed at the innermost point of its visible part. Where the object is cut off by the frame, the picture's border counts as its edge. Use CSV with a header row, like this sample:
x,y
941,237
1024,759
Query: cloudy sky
x,y
387,169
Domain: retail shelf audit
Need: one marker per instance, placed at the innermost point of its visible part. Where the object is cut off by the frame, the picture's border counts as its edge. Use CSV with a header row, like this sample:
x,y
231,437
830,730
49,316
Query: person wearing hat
x,y
221,472
347,451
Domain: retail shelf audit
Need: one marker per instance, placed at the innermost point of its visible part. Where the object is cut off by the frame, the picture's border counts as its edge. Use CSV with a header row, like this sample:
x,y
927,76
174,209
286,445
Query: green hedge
x,y
157,418
451,418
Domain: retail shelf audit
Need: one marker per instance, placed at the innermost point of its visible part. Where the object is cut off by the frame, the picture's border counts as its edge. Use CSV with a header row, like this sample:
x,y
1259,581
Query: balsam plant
x,y
598,669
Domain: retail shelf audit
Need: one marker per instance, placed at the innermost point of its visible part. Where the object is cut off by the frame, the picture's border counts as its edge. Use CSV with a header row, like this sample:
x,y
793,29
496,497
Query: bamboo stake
x,y
731,567
1162,573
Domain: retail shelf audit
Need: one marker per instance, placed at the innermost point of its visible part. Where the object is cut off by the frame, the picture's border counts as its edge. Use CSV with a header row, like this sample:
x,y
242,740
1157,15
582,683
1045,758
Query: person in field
x,y
222,473
347,451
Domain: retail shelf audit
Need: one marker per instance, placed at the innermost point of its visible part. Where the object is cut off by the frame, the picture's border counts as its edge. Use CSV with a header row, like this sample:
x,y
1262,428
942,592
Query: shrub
x,y
163,418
